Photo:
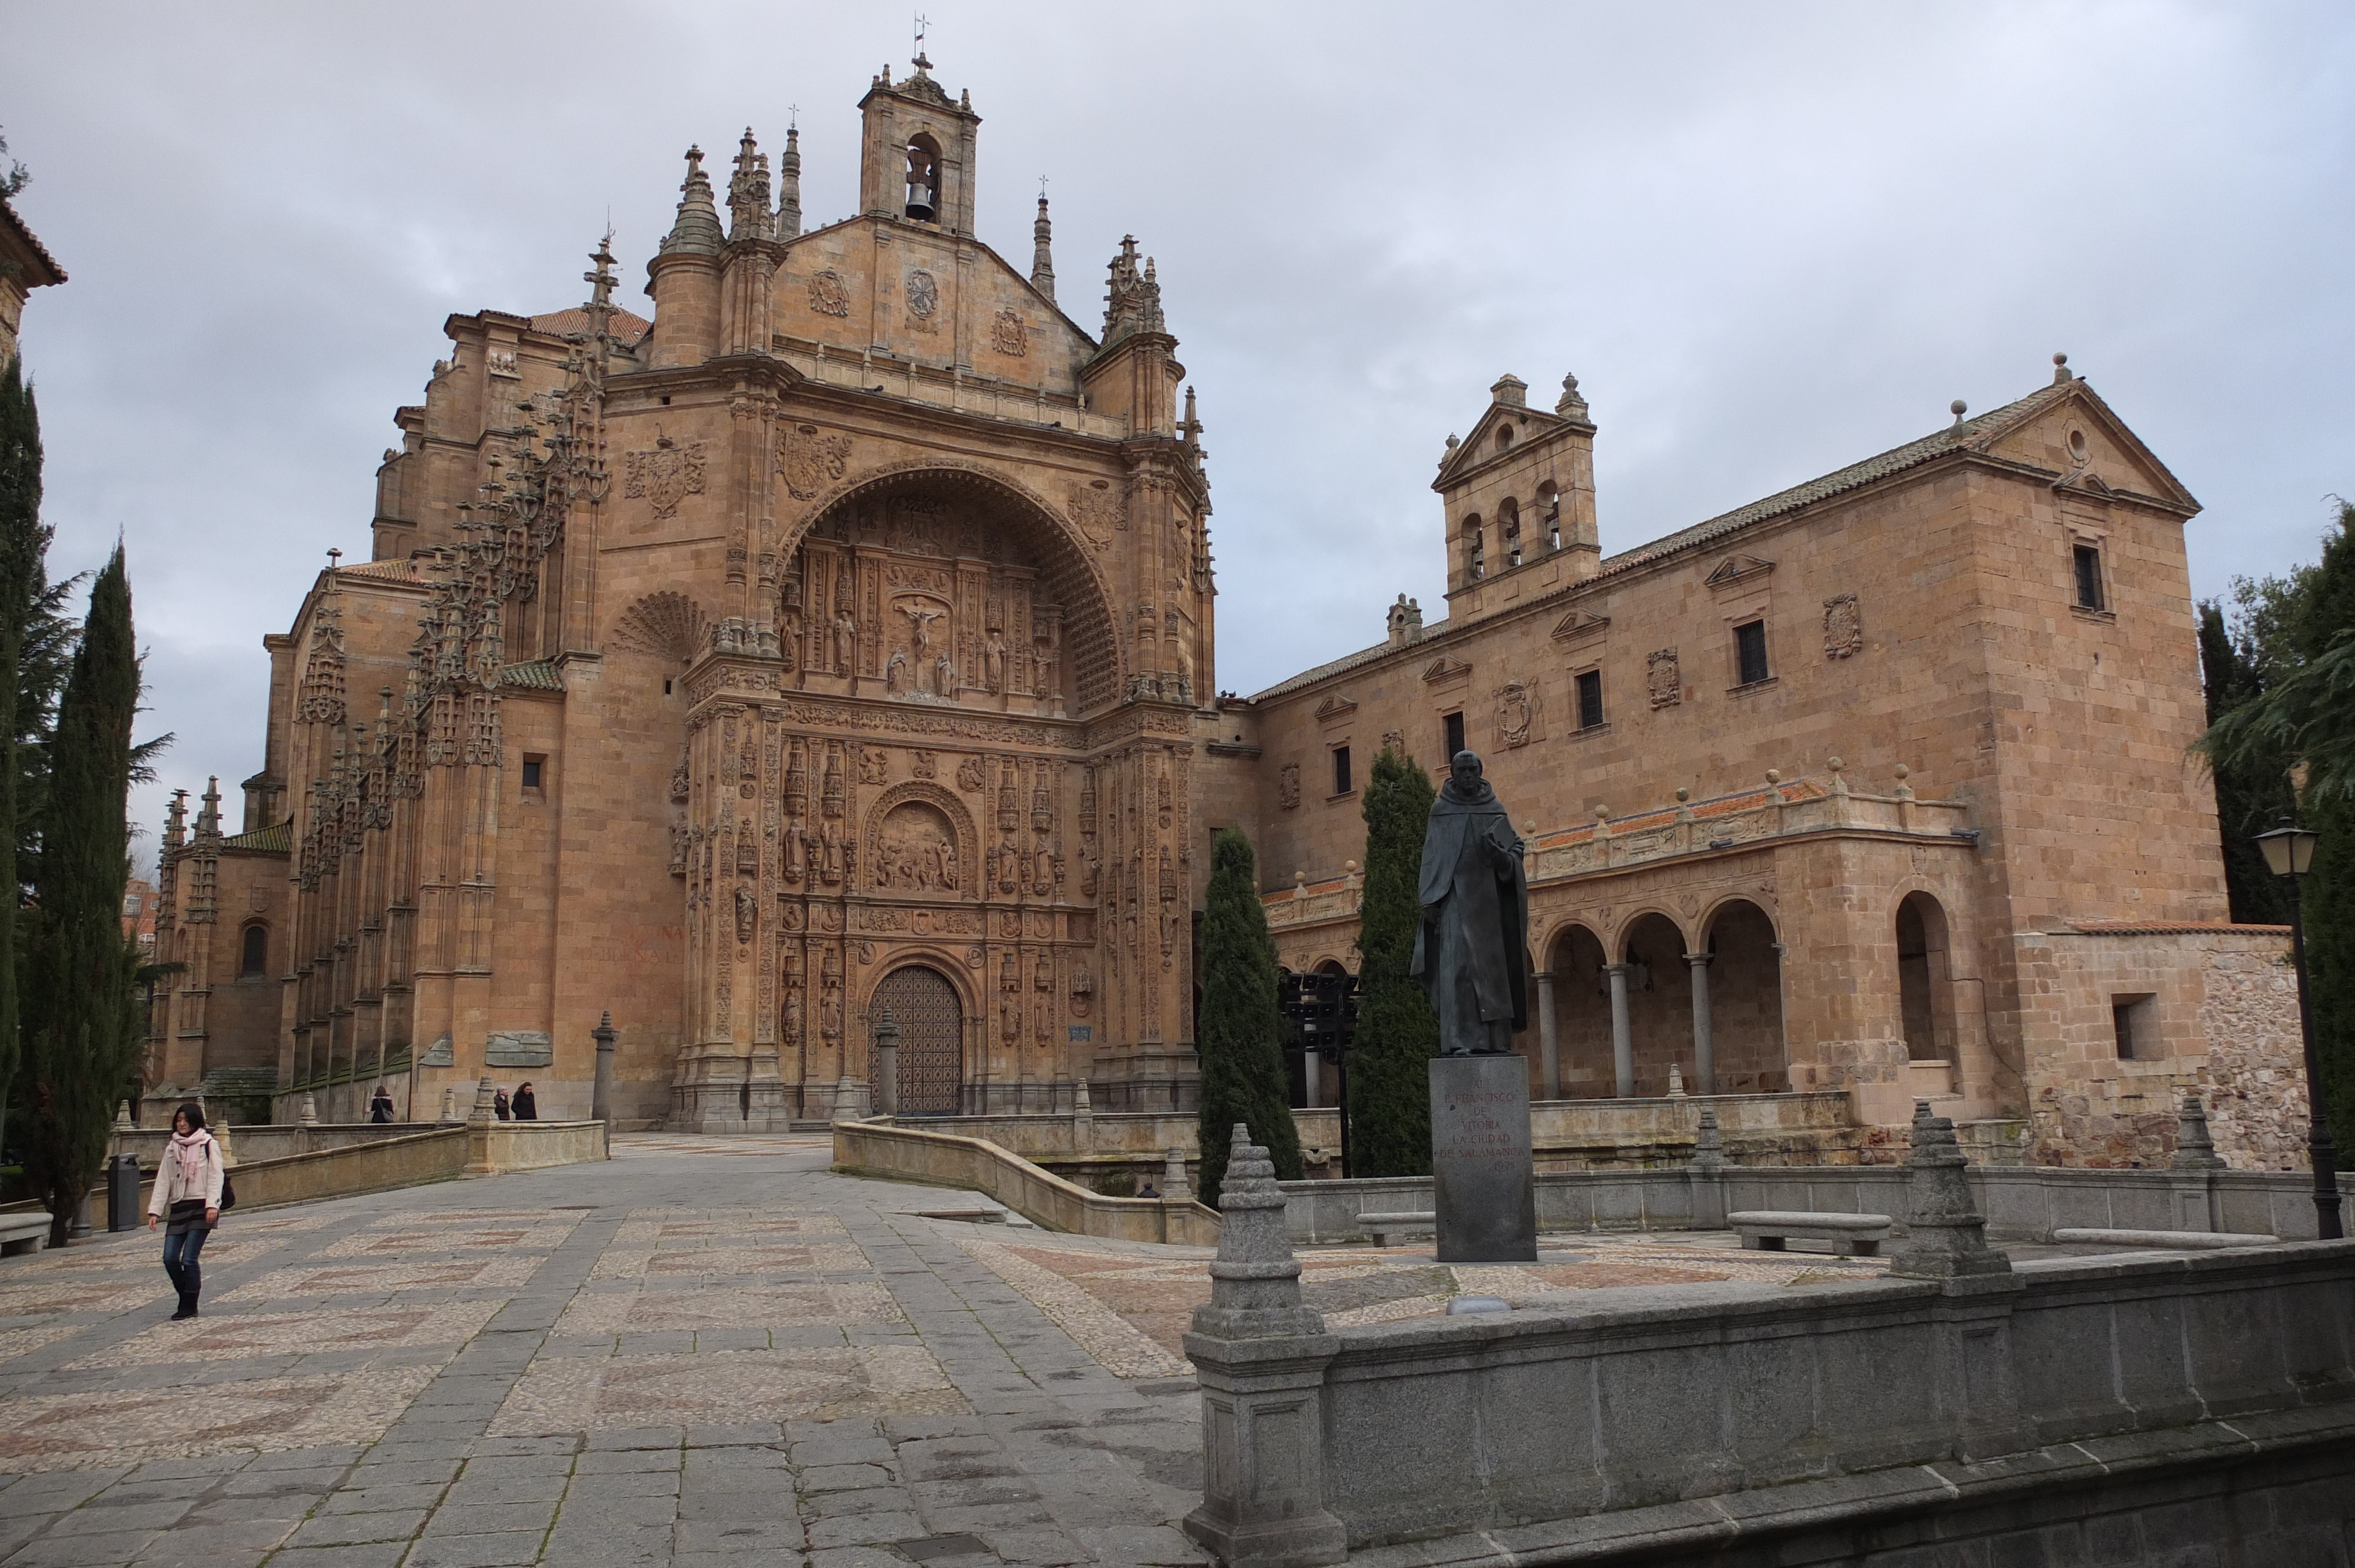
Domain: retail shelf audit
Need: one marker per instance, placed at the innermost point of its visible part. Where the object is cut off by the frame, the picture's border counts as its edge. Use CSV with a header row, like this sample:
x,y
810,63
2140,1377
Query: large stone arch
x,y
1067,555
872,870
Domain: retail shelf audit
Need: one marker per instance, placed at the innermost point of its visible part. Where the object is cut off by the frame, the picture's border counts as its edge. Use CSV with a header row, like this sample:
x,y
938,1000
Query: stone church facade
x,y
841,641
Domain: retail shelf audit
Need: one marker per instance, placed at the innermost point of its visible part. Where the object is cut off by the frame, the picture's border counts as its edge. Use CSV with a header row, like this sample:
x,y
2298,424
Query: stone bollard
x,y
849,1097
1083,1118
1707,1177
1947,1235
486,1102
601,1094
309,1115
1173,1184
449,1102
122,1116
1675,1081
2194,1149
1260,1355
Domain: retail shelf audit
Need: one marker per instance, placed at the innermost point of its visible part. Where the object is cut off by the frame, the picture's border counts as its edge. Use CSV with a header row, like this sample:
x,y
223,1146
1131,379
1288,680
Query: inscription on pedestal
x,y
1483,1191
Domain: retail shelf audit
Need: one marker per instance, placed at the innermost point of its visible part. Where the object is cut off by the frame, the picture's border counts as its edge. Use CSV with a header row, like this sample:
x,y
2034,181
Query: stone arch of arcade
x,y
1714,1009
965,512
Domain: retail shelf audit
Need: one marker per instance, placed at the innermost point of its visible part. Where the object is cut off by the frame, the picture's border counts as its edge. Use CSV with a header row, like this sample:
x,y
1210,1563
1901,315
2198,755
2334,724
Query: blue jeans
x,y
180,1259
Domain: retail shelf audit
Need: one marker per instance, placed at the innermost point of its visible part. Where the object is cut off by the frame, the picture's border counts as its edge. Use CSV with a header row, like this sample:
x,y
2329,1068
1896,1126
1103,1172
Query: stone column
x,y
1623,1035
1312,1075
1708,1176
1260,1356
601,1102
887,1064
1704,1050
1549,1039
1173,1185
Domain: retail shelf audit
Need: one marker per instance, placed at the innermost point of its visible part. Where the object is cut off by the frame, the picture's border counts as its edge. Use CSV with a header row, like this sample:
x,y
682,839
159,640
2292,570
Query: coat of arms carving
x,y
1098,509
924,293
1287,786
1843,627
1009,336
1517,713
1663,680
809,459
827,294
665,474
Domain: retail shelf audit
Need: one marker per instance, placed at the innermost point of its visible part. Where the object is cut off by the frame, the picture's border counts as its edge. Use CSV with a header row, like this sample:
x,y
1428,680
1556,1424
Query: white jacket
x,y
169,1189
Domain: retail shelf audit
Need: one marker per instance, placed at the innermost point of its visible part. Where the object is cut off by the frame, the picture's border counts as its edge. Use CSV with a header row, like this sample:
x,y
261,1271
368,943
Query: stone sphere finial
x,y
1903,771
1773,776
1837,765
1683,794
1602,813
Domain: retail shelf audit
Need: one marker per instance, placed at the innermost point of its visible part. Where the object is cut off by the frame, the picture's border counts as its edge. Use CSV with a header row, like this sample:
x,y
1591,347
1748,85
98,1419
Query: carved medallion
x,y
1394,740
1662,679
924,293
1097,510
665,475
1517,713
1843,627
1009,336
971,775
827,296
809,460
923,764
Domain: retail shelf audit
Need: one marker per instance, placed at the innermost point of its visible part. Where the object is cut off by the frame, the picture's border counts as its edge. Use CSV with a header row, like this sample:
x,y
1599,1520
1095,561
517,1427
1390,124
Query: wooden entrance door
x,y
931,1040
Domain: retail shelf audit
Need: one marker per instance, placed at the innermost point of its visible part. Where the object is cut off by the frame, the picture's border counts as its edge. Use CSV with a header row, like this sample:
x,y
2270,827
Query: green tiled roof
x,y
539,675
279,840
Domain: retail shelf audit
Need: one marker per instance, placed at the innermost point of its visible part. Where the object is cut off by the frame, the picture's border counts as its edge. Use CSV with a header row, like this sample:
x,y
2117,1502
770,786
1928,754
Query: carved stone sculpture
x,y
1472,953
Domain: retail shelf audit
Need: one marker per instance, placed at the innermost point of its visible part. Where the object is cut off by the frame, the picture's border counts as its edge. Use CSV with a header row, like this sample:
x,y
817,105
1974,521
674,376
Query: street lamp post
x,y
2289,851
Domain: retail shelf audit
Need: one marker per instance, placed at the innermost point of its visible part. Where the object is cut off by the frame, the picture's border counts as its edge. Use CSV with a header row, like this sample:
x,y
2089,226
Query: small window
x,y
1476,549
1590,699
1455,736
1341,770
253,960
1750,652
2136,1020
665,686
2089,577
533,767
1509,530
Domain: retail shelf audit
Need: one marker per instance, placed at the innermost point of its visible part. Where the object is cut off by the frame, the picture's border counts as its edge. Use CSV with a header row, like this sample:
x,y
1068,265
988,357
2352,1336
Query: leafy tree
x,y
17,178
24,547
2284,701
1241,1029
78,1044
1398,1033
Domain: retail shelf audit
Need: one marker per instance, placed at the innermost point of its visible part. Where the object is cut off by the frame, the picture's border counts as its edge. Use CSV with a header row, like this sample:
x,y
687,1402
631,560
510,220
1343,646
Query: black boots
x,y
187,1306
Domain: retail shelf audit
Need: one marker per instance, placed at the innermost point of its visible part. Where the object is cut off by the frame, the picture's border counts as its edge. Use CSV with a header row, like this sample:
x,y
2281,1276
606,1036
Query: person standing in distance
x,y
187,1191
526,1104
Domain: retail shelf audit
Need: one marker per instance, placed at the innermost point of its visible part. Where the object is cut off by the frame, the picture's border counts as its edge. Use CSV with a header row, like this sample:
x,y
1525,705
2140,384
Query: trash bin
x,y
122,1192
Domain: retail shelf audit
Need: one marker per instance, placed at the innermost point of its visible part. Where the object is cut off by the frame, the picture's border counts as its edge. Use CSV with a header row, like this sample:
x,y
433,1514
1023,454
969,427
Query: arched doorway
x,y
1660,1002
1921,967
923,1005
1581,1016
1745,1002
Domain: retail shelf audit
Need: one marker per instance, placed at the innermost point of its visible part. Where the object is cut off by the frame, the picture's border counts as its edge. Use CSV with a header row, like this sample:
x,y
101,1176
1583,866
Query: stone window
x,y
535,769
1455,723
1750,654
2089,577
253,956
1590,699
2136,1020
923,179
1341,785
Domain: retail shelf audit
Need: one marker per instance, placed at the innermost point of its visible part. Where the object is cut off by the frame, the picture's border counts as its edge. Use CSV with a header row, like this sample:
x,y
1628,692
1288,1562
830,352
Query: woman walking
x,y
380,1106
187,1191
527,1105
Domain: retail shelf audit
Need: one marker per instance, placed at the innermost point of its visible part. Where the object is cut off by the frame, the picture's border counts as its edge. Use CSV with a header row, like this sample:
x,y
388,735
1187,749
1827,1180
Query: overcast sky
x,y
1770,241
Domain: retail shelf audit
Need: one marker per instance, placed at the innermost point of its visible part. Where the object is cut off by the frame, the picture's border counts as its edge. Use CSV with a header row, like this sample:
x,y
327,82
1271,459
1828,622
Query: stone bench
x,y
1851,1235
2168,1241
1382,1227
23,1232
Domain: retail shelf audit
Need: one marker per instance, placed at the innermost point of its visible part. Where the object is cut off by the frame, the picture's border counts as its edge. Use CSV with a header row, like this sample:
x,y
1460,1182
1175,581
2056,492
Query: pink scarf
x,y
190,1149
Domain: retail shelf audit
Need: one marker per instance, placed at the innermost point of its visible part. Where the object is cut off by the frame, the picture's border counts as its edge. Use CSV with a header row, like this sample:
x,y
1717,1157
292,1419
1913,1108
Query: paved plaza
x,y
706,1350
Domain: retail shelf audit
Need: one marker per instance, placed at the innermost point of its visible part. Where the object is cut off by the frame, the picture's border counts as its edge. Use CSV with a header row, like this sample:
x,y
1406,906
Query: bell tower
x,y
916,157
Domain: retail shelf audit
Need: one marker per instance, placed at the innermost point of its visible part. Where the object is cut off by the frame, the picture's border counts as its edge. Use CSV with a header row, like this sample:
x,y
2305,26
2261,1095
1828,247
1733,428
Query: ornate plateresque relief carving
x,y
924,293
1843,626
668,624
664,475
1663,680
827,296
1287,786
809,459
915,849
1009,336
1517,713
1098,511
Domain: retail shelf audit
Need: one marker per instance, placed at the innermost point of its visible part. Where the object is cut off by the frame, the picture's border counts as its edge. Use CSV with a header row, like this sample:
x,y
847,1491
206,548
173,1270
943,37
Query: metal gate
x,y
931,1040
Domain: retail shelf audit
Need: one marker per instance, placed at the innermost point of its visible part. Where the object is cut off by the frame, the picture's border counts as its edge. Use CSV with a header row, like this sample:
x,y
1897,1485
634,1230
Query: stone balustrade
x,y
963,392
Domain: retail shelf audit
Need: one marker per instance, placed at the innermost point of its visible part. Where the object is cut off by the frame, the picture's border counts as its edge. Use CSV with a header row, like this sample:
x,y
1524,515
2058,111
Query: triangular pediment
x,y
1579,625
1446,668
1334,706
2103,457
1737,570
1531,427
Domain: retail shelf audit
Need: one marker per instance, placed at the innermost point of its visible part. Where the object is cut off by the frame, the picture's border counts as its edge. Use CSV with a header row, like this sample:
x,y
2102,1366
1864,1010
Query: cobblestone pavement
x,y
706,1349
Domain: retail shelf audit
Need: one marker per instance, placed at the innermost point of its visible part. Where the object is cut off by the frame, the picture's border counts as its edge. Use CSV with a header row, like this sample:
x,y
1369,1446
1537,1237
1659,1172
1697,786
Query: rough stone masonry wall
x,y
2221,1023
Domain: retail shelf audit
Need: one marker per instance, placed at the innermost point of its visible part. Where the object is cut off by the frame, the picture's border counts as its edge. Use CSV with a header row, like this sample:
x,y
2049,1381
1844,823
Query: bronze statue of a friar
x,y
1472,953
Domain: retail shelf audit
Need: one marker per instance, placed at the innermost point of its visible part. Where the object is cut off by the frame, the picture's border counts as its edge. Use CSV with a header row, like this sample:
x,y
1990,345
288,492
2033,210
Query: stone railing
x,y
1779,809
942,1159
1953,1402
963,392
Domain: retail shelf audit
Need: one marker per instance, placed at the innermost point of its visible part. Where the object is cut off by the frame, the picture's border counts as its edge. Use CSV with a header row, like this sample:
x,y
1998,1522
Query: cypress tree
x,y
1398,1033
79,1047
24,545
2326,623
2251,797
1241,1031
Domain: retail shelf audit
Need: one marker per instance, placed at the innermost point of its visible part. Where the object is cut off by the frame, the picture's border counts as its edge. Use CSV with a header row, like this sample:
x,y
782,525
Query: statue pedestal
x,y
1484,1190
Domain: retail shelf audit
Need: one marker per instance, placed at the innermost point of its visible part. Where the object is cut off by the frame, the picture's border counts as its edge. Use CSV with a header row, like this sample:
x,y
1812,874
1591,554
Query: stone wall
x,y
877,1149
1705,1419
